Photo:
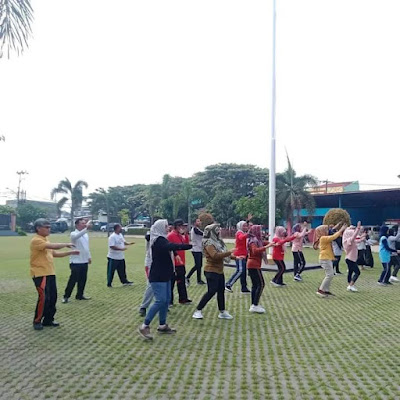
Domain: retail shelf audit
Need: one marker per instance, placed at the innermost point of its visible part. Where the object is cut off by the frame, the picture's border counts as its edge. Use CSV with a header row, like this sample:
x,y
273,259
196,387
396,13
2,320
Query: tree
x,y
257,205
7,210
124,216
222,207
292,194
60,204
28,213
75,193
16,17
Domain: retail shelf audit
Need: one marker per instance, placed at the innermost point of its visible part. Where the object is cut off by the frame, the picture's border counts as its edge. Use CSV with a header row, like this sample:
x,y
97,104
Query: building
x,y
335,187
371,207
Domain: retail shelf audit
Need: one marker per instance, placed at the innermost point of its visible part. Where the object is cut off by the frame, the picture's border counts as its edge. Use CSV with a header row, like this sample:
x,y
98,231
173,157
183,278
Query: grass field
x,y
304,347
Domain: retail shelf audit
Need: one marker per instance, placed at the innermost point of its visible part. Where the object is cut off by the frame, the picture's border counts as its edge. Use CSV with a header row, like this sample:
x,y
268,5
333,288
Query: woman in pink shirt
x,y
350,247
299,262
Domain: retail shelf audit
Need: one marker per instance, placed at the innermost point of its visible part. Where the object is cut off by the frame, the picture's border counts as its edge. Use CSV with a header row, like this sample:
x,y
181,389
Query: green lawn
x,y
304,347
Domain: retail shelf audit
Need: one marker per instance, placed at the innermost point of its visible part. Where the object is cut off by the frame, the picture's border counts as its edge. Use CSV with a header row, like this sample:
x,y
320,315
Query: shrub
x,y
335,216
140,231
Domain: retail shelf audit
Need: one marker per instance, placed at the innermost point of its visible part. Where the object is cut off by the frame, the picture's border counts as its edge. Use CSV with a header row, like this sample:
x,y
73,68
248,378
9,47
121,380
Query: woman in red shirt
x,y
256,253
278,254
241,256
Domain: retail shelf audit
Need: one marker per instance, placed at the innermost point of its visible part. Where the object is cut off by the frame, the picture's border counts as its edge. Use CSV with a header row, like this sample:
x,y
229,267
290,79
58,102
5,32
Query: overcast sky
x,y
121,92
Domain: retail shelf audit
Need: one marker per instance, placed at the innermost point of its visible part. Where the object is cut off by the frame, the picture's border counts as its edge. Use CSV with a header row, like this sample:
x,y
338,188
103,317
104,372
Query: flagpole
x,y
272,182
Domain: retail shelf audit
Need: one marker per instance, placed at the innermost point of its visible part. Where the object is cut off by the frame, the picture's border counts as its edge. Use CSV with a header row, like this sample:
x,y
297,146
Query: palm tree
x,y
74,192
292,194
16,17
60,204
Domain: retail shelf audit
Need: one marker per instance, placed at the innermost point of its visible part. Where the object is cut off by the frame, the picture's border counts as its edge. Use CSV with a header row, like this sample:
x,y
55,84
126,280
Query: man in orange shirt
x,y
43,273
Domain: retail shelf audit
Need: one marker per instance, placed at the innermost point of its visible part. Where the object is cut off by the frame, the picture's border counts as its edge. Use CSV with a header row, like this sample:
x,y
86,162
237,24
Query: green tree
x,y
16,17
222,207
292,194
7,210
257,205
75,193
124,216
60,204
28,213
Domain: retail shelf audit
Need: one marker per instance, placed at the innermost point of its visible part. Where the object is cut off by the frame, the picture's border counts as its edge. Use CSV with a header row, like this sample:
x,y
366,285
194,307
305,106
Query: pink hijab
x,y
280,232
255,238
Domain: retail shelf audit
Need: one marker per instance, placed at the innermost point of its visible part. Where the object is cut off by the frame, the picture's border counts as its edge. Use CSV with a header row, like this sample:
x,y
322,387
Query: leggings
x,y
216,285
278,278
299,262
354,271
258,283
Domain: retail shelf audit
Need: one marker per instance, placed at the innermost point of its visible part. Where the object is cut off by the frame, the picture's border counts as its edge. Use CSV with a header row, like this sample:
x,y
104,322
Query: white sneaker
x,y
257,309
393,279
349,288
197,315
353,289
225,315
274,284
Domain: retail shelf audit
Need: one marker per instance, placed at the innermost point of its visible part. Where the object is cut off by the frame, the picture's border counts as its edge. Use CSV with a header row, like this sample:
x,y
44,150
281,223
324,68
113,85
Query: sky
x,y
123,92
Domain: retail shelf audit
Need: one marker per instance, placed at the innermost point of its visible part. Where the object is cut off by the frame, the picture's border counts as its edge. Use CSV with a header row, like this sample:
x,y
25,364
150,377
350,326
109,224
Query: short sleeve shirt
x,y
41,258
118,241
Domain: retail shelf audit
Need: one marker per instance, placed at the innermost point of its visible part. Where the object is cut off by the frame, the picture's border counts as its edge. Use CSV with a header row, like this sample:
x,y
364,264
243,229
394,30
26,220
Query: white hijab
x,y
239,226
158,229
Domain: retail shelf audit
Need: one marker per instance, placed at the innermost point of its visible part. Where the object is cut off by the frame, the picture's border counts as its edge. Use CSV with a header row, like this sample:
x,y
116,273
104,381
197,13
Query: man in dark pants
x,y
179,236
116,257
196,236
79,263
43,273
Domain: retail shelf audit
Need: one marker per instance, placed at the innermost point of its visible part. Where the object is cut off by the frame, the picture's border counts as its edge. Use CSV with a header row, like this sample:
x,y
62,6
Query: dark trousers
x,y
385,275
258,284
278,278
179,278
353,271
240,273
198,262
78,276
215,285
118,265
395,261
47,299
299,262
336,262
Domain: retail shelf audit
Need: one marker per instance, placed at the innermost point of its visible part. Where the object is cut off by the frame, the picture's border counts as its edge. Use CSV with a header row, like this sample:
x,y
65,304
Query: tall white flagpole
x,y
272,182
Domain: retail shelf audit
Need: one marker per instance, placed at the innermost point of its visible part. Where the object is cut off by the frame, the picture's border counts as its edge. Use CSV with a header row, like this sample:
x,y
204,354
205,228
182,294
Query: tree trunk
x,y
72,218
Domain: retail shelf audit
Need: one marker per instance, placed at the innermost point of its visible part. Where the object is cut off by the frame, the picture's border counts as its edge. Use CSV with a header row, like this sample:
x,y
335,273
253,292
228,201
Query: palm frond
x,y
16,17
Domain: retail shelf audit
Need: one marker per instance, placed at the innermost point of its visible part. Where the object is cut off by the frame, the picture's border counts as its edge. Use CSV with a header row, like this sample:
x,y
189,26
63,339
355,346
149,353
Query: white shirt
x,y
81,241
117,240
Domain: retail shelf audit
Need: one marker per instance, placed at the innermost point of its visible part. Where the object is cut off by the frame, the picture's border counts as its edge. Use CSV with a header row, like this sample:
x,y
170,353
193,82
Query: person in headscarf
x,y
256,254
394,243
216,253
278,254
241,256
385,252
350,242
299,262
160,275
323,242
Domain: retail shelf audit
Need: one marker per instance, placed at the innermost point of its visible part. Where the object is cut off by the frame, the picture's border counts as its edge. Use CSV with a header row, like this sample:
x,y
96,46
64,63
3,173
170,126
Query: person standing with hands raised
x,y
43,273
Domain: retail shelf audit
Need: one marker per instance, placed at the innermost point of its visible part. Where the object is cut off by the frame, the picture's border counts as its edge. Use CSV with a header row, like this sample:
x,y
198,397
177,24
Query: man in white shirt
x,y
79,263
116,256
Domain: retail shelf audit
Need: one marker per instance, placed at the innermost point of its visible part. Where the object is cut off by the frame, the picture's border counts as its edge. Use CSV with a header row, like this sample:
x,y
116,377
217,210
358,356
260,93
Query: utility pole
x,y
20,173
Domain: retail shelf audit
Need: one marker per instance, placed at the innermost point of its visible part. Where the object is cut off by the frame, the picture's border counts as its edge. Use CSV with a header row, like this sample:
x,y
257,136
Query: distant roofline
x,y
358,191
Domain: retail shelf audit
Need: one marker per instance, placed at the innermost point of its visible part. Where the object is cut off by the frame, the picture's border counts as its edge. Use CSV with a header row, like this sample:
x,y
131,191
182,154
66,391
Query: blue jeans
x,y
162,294
240,273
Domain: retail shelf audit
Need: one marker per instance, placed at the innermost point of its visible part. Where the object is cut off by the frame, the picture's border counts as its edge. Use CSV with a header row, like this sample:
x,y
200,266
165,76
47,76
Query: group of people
x,y
165,264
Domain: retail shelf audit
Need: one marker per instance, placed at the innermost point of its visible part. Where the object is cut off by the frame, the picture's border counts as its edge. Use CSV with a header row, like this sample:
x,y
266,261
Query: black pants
x,y
299,262
79,276
198,262
258,284
361,257
47,299
118,265
180,272
395,261
336,262
278,278
215,285
354,271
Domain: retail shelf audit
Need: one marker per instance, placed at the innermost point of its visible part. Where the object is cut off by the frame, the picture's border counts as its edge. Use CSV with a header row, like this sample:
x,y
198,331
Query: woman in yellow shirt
x,y
323,242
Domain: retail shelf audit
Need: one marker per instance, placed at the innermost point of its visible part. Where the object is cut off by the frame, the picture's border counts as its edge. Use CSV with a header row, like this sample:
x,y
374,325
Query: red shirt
x,y
241,244
176,237
278,252
254,259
